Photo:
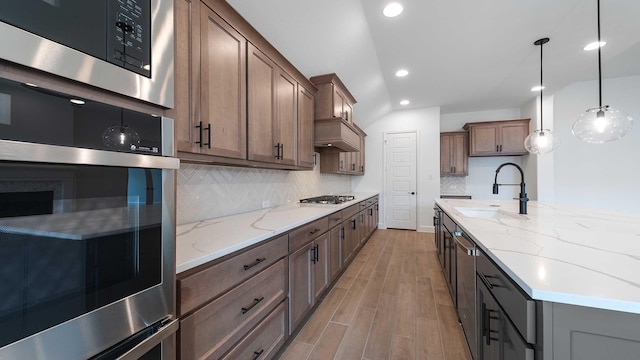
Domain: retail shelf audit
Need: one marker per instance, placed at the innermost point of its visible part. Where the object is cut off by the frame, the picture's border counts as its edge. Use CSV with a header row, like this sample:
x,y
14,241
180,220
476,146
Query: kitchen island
x,y
579,265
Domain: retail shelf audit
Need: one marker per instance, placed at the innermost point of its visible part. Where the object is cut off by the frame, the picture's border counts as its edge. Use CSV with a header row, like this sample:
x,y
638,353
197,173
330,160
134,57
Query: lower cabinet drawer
x,y
266,339
197,289
211,331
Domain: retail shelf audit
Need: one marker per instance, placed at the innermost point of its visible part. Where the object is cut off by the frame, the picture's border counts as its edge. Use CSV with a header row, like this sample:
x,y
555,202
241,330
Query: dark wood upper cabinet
x,y
498,138
236,95
454,158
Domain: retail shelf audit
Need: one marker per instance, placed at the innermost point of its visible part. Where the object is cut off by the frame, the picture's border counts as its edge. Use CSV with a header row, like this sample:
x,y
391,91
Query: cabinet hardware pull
x,y
346,115
377,207
371,211
336,219
362,168
314,231
454,169
258,261
485,324
315,159
342,233
208,136
353,167
485,281
255,302
341,164
500,148
497,148
317,252
313,254
199,127
256,354
353,224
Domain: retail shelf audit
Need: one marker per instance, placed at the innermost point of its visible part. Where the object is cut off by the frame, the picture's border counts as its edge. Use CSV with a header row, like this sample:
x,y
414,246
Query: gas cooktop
x,y
328,199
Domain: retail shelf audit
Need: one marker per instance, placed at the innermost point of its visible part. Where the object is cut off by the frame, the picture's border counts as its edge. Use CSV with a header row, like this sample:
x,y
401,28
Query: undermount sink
x,y
485,212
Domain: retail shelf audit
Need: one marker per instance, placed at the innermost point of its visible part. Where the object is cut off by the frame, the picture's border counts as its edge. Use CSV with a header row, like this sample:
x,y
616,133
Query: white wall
x,y
604,176
205,192
482,170
427,124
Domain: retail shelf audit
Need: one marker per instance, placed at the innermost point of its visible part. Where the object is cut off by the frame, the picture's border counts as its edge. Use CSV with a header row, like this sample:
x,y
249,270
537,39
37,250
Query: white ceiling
x,y
462,55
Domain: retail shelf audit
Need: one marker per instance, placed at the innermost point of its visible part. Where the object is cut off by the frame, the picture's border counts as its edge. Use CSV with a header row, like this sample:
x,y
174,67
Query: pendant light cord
x,y
599,61
541,88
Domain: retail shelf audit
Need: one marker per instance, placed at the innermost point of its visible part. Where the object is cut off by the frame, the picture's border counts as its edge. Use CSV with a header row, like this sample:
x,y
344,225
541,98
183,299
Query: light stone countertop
x,y
560,253
203,241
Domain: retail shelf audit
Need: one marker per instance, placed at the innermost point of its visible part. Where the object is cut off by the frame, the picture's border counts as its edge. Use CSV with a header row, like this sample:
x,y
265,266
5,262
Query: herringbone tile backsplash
x,y
206,192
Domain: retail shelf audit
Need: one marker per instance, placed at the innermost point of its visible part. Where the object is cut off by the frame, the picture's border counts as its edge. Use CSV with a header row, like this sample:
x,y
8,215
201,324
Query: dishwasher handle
x,y
470,250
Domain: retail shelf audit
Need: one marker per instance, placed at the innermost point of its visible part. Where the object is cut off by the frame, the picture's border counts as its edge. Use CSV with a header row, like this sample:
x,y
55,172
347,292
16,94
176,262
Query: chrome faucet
x,y
523,195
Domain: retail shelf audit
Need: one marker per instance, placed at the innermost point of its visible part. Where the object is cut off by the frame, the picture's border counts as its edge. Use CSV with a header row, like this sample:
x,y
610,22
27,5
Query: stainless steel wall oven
x,y
87,228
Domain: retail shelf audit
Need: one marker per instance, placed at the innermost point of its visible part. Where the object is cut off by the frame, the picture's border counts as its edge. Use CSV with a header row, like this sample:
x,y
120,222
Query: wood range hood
x,y
335,135
334,130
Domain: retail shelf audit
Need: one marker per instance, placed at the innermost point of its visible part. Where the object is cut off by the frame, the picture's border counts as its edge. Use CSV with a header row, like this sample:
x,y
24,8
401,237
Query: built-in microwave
x,y
125,46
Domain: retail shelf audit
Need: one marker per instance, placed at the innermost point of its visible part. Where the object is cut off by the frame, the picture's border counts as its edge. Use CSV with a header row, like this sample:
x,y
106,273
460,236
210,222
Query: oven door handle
x,y
149,343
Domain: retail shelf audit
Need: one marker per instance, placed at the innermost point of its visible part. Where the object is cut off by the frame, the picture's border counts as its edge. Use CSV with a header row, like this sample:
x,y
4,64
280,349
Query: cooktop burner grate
x,y
328,199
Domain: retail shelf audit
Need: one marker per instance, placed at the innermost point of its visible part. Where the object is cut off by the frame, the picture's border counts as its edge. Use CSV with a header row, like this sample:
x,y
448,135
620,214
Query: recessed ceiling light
x,y
31,85
404,102
402,73
77,101
537,88
594,45
392,10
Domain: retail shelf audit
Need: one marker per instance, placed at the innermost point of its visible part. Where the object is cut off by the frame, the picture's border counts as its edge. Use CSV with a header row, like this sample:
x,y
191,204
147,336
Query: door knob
x,y
412,193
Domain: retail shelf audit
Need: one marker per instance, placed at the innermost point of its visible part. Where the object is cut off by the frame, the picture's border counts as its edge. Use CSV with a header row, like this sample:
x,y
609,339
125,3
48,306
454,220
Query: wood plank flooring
x,y
392,302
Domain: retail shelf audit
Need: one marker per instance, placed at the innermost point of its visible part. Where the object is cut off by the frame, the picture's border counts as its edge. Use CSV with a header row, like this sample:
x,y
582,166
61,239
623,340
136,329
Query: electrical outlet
x,y
266,204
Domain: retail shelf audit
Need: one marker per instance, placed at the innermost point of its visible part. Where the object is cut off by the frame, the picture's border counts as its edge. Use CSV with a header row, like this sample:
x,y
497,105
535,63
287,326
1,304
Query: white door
x,y
401,180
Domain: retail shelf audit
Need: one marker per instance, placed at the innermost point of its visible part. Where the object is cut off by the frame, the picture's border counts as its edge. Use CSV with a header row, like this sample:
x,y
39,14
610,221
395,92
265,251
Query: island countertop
x,y
559,253
203,241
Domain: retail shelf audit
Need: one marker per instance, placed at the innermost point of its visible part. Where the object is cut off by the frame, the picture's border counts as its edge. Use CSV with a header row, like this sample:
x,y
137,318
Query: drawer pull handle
x,y
255,302
484,279
314,231
256,354
258,261
336,219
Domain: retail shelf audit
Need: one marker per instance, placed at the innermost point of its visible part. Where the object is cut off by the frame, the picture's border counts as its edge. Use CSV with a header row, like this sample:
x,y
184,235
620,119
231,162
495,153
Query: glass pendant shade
x,y
541,142
121,137
602,124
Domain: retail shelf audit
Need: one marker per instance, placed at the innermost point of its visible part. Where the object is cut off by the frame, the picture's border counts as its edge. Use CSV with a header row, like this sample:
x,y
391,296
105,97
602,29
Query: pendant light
x,y
121,137
603,123
541,141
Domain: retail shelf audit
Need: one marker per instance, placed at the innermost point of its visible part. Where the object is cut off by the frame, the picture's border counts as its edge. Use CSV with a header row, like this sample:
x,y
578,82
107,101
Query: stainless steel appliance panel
x,y
466,275
26,48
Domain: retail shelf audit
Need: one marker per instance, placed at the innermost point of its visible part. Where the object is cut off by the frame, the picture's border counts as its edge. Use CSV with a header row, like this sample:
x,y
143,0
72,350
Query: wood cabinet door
x,y
334,253
345,161
301,295
222,79
348,109
183,102
459,157
446,147
347,239
286,120
321,265
512,137
305,128
484,140
338,103
261,78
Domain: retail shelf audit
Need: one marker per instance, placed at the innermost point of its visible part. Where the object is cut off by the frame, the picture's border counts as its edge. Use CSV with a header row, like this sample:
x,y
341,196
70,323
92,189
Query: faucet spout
x,y
523,195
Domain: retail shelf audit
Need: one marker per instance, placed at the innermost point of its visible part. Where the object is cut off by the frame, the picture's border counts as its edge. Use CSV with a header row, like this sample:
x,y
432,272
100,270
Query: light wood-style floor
x,y
391,303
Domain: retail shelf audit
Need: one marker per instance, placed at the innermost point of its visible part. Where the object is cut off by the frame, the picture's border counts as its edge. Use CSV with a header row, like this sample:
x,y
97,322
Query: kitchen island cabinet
x,y
548,286
498,138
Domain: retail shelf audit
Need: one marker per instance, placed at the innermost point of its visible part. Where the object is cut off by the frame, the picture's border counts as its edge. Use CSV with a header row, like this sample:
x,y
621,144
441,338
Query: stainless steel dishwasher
x,y
466,261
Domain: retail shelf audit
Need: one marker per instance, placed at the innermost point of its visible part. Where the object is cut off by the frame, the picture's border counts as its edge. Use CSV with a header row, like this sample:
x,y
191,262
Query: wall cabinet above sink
x,y
498,138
